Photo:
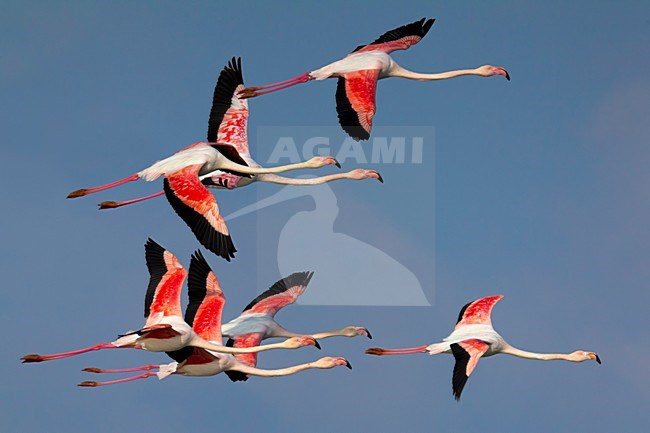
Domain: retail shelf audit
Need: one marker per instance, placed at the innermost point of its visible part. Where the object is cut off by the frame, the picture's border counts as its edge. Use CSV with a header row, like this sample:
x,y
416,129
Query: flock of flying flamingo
x,y
194,341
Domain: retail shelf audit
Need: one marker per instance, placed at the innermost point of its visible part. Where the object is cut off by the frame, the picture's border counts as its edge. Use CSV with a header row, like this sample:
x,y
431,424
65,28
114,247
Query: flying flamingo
x,y
183,173
206,302
228,124
359,71
165,330
474,337
257,321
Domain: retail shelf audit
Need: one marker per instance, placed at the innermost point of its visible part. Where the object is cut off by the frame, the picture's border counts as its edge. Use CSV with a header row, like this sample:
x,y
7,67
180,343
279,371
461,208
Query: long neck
x,y
327,334
272,178
233,166
273,373
398,71
509,350
199,342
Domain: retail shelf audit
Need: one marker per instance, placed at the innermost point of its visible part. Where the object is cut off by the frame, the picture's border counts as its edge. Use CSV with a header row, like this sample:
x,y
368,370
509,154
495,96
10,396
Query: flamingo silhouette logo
x,y
350,271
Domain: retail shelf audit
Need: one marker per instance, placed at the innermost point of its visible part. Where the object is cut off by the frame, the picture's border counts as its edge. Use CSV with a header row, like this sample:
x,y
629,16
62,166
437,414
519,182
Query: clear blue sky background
x,y
541,193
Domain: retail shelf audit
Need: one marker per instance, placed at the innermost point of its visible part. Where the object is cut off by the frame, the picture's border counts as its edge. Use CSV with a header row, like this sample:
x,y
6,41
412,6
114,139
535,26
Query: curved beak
x,y
368,334
595,357
336,163
348,365
317,345
379,178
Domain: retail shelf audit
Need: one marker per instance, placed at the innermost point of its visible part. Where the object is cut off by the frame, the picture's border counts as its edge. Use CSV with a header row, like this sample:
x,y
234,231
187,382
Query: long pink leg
x,y
113,382
405,351
251,92
86,191
121,370
114,204
41,358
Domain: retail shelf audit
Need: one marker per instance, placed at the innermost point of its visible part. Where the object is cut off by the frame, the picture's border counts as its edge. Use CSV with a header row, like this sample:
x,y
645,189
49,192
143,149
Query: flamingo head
x,y
333,361
581,355
321,161
296,342
353,331
360,173
489,70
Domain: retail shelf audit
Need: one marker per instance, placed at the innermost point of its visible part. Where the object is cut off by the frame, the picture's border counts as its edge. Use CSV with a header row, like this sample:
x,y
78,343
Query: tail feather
x,y
166,369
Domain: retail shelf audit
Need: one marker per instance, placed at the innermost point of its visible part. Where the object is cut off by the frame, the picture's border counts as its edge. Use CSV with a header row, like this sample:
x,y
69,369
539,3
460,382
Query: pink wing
x,y
206,300
400,38
229,115
198,208
250,359
467,354
355,102
166,277
477,312
282,293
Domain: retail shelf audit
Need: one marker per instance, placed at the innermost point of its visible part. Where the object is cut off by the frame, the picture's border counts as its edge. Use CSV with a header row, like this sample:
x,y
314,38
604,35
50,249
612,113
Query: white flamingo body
x,y
377,60
260,323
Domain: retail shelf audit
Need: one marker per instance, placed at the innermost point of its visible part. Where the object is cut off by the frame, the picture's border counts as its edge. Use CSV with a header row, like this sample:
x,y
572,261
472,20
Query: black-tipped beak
x,y
507,75
369,334
316,345
336,163
598,359
379,178
348,365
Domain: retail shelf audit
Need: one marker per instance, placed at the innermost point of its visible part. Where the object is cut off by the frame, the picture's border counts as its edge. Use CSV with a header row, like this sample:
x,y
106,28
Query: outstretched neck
x,y
199,342
327,334
398,71
273,373
534,355
282,180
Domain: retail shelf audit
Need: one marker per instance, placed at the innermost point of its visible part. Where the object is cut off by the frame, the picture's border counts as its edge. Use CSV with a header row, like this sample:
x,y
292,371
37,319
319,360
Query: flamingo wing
x,y
400,38
477,312
198,208
245,340
355,102
206,300
229,114
166,277
466,353
282,293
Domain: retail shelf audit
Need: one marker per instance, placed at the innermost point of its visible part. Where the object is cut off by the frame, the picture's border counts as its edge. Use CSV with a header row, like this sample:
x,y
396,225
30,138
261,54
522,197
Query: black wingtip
x,y
427,25
236,376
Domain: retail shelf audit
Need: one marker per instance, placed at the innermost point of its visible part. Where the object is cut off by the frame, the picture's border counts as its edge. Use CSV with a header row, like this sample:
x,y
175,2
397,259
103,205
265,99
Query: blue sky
x,y
537,188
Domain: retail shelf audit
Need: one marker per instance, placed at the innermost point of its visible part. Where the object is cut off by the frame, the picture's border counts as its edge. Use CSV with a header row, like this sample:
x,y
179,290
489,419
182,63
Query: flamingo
x,y
184,172
164,330
359,71
257,321
229,121
474,337
206,302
